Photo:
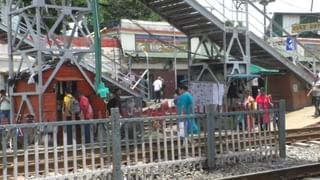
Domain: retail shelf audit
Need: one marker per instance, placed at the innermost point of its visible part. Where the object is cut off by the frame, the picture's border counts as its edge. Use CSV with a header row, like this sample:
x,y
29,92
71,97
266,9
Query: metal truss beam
x,y
33,38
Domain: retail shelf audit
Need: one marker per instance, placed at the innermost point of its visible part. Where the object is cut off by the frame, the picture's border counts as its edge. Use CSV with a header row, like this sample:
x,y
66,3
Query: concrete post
x,y
116,144
282,128
211,136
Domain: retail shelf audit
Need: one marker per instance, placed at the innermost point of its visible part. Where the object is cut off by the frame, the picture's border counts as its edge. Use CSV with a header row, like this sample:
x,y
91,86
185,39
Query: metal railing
x,y
157,144
56,150
144,147
245,136
113,69
228,13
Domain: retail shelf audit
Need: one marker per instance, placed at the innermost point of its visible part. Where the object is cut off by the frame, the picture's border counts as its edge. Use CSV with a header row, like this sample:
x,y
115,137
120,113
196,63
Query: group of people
x,y
261,102
76,107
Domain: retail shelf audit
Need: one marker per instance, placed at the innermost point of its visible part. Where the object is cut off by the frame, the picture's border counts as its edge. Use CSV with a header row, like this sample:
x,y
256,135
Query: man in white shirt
x,y
157,85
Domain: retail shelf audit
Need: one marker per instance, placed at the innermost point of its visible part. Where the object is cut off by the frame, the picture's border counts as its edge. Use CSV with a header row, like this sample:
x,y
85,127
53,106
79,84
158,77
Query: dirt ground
x,y
302,118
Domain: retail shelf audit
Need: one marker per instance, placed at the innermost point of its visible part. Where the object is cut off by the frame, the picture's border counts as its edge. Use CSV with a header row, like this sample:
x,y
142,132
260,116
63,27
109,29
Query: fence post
x,y
282,128
211,136
116,143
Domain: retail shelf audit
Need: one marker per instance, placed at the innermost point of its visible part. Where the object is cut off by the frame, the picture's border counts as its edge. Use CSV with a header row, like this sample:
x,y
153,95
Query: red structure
x,y
68,76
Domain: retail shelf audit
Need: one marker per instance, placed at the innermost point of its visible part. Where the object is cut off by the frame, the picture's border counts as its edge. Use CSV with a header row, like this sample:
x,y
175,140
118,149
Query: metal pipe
x,y
10,60
175,59
264,21
39,61
97,38
189,59
148,73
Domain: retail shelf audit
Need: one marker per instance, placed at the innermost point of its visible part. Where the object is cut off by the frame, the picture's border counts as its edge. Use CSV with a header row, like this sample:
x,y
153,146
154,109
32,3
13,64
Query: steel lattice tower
x,y
33,31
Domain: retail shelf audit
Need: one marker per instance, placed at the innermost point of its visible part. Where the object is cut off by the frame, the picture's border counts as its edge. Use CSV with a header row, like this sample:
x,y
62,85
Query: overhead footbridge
x,y
208,20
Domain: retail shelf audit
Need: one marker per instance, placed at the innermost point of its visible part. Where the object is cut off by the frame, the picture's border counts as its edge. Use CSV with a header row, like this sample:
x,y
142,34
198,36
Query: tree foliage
x,y
130,9
114,10
109,10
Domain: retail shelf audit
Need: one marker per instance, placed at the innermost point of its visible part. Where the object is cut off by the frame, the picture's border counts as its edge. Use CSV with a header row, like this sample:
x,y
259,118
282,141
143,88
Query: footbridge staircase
x,y
25,36
237,42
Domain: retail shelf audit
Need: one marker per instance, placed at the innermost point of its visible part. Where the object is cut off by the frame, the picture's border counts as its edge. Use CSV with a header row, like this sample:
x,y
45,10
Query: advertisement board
x,y
157,43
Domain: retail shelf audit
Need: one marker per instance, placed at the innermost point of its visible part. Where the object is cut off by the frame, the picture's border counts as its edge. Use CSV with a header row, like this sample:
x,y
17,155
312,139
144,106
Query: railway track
x,y
292,136
297,172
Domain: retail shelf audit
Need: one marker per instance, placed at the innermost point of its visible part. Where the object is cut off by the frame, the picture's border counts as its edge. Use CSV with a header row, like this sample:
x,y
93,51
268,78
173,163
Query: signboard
x,y
289,44
296,28
157,43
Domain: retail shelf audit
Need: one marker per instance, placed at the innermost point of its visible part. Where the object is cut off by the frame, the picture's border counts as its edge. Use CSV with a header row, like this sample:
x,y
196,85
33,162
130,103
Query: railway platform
x,y
302,118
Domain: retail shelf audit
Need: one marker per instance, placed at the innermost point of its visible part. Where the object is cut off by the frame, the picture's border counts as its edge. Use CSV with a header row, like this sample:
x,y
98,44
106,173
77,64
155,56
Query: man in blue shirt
x,y
185,106
185,100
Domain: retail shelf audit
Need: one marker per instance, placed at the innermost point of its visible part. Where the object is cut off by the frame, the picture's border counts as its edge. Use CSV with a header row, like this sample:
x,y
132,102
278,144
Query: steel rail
x,y
296,172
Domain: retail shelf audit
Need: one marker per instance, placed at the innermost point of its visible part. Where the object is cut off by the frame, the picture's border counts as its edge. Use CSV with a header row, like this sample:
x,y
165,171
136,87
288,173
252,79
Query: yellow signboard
x,y
296,28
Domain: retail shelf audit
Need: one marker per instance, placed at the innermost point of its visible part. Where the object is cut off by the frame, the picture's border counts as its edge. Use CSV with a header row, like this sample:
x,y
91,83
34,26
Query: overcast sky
x,y
293,6
255,17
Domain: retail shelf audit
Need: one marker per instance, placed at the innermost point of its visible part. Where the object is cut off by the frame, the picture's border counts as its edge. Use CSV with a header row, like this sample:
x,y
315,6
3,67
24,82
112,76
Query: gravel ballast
x,y
295,156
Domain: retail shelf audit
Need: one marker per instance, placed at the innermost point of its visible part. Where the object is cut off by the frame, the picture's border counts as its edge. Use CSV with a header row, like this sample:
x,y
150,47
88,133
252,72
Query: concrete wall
x,y
290,88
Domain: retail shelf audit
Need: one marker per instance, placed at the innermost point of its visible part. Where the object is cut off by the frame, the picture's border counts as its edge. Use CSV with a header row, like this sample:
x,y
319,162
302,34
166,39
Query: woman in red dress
x,y
263,103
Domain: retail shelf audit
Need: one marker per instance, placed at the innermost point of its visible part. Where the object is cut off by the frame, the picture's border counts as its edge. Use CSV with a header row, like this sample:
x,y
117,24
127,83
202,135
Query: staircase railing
x,y
119,73
228,14
298,58
20,29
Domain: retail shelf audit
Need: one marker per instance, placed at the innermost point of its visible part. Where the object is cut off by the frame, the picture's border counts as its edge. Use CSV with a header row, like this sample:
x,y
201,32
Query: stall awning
x,y
243,76
254,69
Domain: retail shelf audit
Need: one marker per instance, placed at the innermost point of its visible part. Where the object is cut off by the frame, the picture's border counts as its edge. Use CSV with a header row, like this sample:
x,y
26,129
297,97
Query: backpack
x,y
75,106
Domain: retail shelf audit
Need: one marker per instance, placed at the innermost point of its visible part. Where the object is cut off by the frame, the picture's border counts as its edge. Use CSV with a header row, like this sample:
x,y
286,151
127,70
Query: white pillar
x,y
2,81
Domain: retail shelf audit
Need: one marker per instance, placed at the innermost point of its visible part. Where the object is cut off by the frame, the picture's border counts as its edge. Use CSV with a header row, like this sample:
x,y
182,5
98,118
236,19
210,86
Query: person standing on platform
x,y
249,105
263,103
87,113
185,106
157,86
4,107
115,102
315,91
67,111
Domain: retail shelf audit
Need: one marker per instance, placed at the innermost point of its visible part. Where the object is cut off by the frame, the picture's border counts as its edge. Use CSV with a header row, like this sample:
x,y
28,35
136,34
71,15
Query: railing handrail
x,y
251,25
284,31
141,77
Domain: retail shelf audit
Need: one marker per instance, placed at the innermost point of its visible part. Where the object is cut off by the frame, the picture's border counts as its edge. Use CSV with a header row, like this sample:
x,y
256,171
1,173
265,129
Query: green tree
x,y
109,10
114,10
